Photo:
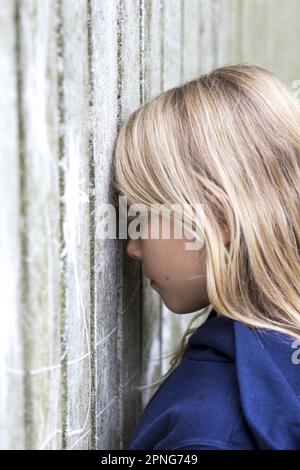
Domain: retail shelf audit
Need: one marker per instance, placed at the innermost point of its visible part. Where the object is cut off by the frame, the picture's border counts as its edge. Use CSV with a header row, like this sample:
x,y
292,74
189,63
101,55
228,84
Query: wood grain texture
x,y
78,334
108,280
40,192
12,432
130,298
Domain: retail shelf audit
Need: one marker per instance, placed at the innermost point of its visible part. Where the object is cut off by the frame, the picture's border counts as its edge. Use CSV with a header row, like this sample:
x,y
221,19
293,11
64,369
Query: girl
x,y
229,141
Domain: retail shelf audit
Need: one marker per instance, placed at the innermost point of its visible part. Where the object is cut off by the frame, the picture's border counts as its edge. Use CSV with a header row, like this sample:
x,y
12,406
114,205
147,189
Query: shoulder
x,y
208,399
206,409
207,412
198,405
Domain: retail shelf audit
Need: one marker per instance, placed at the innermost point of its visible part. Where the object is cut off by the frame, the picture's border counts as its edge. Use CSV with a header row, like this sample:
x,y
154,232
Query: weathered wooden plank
x,y
78,335
118,280
151,64
222,11
264,38
282,32
192,27
172,34
207,39
41,306
129,318
234,27
11,343
103,127
248,30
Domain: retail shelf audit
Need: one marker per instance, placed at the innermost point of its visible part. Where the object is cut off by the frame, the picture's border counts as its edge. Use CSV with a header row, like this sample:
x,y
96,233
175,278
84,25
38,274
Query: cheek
x,y
156,259
163,260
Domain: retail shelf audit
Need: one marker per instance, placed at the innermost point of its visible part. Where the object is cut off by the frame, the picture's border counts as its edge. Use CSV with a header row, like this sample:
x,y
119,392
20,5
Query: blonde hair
x,y
230,140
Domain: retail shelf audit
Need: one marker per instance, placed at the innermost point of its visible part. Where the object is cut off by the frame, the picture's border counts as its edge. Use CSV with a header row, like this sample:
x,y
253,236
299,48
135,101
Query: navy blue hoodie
x,y
235,388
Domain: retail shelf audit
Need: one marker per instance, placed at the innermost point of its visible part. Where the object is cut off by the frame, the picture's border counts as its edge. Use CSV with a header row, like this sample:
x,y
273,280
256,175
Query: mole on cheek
x,y
167,278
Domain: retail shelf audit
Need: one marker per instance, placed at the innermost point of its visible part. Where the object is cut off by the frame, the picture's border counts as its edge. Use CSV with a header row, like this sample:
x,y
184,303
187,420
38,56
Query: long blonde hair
x,y
230,140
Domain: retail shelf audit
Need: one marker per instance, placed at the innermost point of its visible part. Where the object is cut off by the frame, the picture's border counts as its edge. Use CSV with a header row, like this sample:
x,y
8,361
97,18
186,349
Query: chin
x,y
177,309
184,310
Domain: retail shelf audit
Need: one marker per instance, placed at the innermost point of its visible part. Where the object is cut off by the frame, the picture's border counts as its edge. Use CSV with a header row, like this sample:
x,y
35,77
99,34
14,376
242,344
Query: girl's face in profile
x,y
177,273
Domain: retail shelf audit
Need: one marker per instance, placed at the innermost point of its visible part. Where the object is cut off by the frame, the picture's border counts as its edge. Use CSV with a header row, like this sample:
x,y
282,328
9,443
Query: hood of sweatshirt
x,y
268,375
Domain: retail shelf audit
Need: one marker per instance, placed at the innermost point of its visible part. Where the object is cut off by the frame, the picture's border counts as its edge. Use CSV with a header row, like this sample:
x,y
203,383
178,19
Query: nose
x,y
133,249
